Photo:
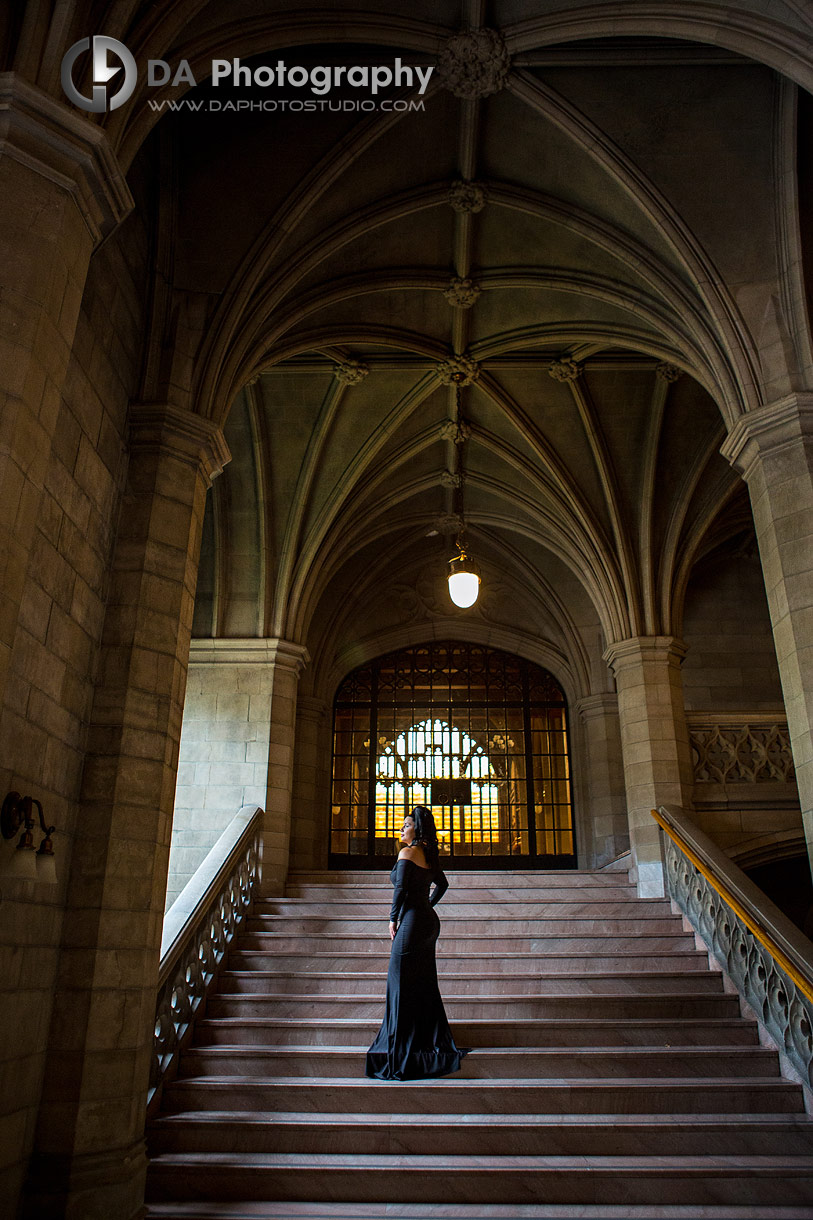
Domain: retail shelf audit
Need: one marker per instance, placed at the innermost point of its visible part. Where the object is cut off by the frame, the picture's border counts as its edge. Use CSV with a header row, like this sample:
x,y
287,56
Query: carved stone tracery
x,y
742,754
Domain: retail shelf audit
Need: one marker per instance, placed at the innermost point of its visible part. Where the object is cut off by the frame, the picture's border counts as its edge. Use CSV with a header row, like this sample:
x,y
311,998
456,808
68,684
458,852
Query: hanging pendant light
x,y
464,575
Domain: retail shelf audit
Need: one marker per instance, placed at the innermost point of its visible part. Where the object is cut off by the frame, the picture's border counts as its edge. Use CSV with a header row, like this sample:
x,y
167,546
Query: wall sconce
x,y
27,863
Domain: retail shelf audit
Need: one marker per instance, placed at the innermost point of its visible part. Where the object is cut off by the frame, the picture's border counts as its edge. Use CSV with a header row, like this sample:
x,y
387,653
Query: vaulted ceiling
x,y
591,230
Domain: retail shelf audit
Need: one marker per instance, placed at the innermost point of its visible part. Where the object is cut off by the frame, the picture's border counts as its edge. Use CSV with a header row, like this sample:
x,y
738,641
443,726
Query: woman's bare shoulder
x,y
415,854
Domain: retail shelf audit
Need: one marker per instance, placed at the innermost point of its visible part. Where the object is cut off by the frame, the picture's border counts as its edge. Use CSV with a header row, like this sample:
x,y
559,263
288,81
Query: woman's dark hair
x,y
426,833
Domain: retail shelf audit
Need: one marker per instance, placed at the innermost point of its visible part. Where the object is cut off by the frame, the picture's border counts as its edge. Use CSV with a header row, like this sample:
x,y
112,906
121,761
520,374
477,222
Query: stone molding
x,y
160,427
595,707
66,149
467,197
450,479
769,429
645,648
474,63
670,373
273,651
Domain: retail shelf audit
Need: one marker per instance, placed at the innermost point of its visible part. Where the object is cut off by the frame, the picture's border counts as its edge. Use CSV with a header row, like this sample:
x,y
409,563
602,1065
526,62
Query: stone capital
x,y
73,153
595,707
163,428
272,651
644,649
767,430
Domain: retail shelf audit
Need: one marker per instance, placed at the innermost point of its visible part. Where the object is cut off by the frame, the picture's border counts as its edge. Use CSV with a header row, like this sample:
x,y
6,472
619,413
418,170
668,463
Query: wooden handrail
x,y
746,905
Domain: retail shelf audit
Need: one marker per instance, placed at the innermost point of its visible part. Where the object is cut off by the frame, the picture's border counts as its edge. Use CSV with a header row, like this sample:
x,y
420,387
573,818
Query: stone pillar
x,y
605,777
89,1158
654,743
772,447
223,762
310,831
289,660
61,193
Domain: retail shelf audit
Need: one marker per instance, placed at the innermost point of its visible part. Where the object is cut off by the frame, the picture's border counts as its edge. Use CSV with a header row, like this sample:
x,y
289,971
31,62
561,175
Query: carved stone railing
x,y
767,958
741,750
198,929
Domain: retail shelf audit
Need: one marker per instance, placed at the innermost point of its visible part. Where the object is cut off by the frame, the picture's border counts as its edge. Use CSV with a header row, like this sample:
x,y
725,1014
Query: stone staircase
x,y
611,1074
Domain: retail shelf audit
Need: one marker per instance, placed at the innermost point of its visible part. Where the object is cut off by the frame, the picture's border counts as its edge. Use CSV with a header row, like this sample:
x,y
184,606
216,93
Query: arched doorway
x,y
477,734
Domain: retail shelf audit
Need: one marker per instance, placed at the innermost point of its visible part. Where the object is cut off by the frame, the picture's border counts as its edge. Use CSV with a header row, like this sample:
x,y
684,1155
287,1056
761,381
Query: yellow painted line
x,y
802,982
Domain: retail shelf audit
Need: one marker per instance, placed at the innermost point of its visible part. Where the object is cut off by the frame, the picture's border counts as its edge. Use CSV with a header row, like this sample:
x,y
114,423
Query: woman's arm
x,y
399,893
441,886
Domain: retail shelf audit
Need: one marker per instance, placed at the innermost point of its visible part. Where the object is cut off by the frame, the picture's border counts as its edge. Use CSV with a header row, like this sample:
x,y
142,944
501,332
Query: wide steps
x,y
451,969
525,1063
483,928
492,911
564,1135
458,1095
527,1178
287,1031
299,1210
287,1210
610,1074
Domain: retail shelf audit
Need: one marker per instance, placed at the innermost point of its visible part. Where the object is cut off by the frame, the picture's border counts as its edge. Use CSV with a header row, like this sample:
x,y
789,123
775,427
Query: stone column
x,y
223,761
89,1156
310,832
654,743
772,447
605,777
289,660
61,193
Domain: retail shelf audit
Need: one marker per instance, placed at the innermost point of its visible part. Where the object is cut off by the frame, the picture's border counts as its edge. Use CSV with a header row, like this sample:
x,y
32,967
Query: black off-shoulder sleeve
x,y
441,886
400,891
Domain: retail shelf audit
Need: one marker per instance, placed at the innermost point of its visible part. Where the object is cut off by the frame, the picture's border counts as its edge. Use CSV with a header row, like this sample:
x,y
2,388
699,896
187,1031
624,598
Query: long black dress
x,y
414,1040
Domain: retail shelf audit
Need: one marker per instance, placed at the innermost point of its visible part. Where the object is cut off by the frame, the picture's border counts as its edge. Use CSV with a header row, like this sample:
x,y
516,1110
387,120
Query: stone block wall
x,y
731,667
731,660
48,693
223,762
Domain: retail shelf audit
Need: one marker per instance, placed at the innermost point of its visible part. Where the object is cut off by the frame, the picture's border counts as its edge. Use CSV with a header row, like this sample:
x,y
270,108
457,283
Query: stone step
x,y
493,878
456,1095
544,948
608,922
477,923
286,1210
488,1063
460,892
523,1134
352,980
575,932
565,1005
253,1031
519,969
356,1178
371,984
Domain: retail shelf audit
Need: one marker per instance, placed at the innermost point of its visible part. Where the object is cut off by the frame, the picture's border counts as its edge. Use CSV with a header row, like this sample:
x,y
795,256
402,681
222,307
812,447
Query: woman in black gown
x,y
414,1040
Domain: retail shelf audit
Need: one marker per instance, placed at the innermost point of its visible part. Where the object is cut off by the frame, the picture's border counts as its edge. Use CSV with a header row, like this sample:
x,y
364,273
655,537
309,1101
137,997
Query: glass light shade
x,y
22,865
46,868
464,588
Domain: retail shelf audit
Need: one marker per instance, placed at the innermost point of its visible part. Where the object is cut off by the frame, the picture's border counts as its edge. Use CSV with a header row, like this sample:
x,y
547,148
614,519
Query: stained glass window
x,y
478,735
